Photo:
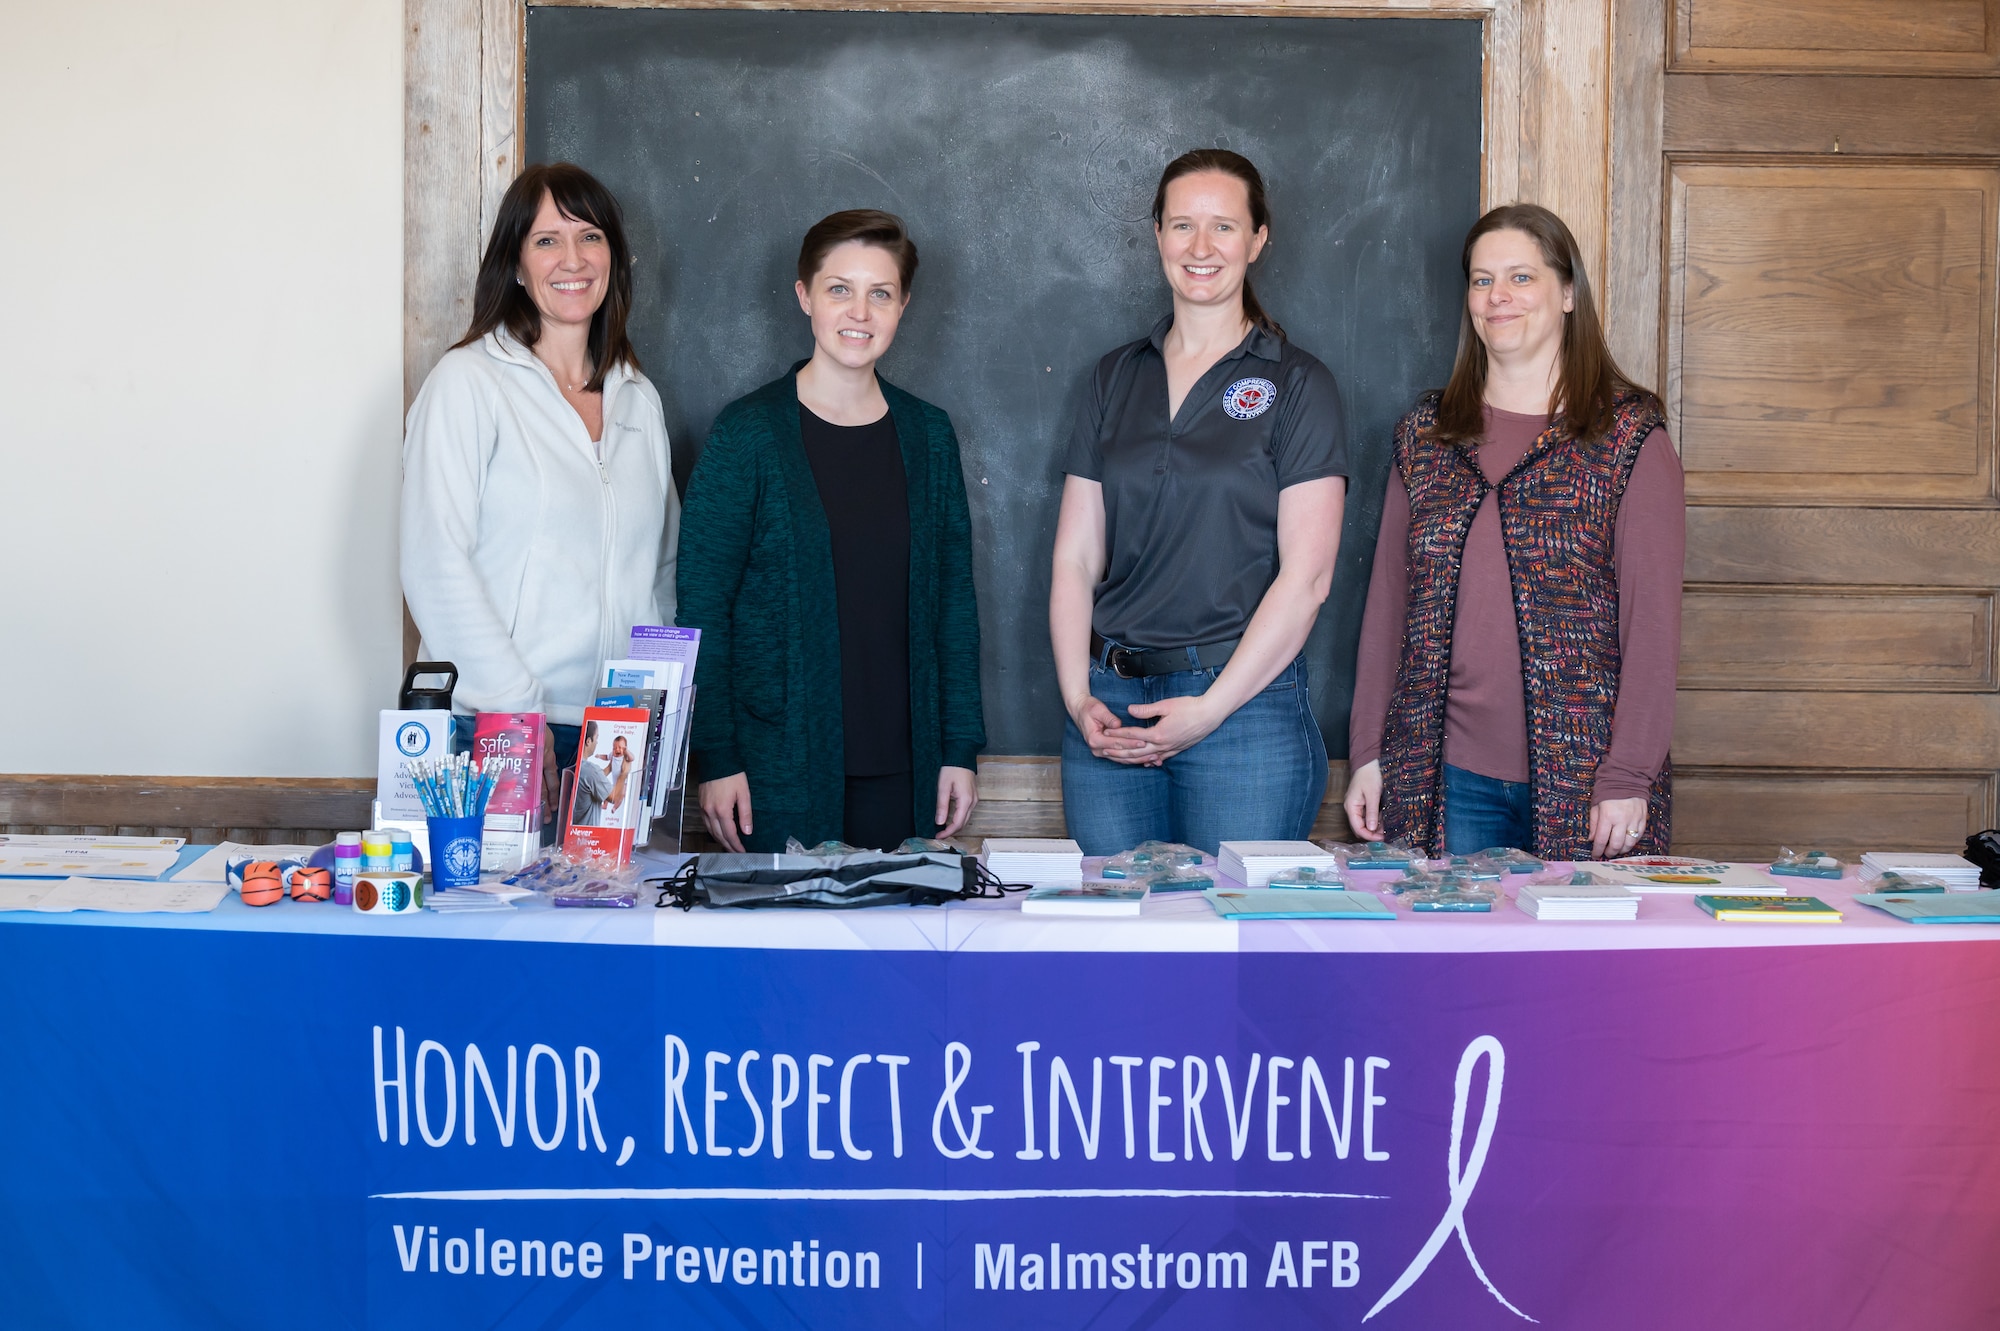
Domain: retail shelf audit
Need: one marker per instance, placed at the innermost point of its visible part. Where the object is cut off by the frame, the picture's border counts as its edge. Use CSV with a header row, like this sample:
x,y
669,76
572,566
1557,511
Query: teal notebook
x,y
1937,908
1304,903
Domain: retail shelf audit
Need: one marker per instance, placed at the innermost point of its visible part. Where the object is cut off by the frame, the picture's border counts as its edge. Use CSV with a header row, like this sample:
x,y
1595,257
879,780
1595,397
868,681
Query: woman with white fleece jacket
x,y
539,517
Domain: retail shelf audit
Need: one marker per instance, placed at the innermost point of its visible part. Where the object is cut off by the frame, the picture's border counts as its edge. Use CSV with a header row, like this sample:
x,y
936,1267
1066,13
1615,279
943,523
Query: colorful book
x,y
1782,910
513,829
1302,903
1087,899
605,808
1937,908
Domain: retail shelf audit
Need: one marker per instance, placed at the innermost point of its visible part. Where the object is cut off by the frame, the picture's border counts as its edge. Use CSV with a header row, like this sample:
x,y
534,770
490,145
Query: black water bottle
x,y
412,698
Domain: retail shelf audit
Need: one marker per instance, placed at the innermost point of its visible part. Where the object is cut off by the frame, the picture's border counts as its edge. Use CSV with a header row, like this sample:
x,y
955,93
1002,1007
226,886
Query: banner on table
x,y
226,1128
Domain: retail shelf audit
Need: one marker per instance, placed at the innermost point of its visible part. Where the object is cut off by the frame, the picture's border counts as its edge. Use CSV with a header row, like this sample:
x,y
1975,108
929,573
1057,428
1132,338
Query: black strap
x,y
1128,664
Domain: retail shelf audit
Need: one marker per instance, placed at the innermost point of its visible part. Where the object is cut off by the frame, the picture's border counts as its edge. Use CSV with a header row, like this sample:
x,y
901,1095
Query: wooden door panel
x,y
1952,731
1853,547
1750,814
1830,295
1836,639
1886,116
1830,329
1940,35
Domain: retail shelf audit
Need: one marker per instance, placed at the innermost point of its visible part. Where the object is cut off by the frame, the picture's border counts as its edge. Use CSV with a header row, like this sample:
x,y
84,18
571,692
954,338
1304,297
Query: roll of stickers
x,y
388,893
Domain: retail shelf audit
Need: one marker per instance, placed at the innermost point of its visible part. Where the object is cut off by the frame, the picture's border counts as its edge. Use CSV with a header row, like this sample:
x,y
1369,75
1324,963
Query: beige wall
x,y
200,385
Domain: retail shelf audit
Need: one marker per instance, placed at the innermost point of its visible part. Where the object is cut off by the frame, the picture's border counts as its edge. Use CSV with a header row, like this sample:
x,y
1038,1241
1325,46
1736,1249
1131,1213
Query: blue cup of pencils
x,y
454,791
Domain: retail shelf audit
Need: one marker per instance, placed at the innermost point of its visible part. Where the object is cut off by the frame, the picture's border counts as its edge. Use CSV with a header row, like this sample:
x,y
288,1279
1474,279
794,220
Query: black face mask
x,y
841,882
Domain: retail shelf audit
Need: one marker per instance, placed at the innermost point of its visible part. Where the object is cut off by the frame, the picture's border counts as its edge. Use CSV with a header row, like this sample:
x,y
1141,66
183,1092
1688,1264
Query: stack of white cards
x,y
1252,863
1597,901
1044,862
1954,871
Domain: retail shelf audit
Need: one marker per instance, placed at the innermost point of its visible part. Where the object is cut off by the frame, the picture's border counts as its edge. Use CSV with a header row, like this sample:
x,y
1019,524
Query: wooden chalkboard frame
x,y
1572,119
1573,102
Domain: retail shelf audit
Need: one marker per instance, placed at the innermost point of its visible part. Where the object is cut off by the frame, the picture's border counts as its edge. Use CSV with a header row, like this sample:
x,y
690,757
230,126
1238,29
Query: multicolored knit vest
x,y
1558,520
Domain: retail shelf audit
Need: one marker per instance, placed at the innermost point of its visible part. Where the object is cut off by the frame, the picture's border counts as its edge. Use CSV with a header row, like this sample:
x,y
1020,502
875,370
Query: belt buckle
x,y
1123,662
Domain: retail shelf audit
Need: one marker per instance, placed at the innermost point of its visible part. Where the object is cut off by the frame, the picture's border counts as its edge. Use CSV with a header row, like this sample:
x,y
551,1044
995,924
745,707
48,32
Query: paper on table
x,y
104,861
65,841
108,894
213,867
23,896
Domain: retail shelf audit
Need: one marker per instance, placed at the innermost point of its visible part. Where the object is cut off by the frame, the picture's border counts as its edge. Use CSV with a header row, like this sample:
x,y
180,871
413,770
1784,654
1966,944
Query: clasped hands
x,y
1176,725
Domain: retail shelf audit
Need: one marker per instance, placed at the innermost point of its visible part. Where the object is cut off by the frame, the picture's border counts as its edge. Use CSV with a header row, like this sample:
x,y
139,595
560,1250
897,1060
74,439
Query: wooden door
x,y
1831,205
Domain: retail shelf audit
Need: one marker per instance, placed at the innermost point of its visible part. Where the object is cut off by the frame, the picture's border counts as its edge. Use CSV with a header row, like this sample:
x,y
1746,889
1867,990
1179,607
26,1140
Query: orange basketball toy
x,y
310,884
263,883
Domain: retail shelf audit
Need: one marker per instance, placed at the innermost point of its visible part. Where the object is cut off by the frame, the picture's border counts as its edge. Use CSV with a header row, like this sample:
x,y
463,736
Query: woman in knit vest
x,y
828,566
1515,682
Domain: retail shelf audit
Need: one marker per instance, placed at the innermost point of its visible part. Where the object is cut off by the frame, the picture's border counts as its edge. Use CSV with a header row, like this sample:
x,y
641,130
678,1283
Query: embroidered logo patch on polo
x,y
1247,399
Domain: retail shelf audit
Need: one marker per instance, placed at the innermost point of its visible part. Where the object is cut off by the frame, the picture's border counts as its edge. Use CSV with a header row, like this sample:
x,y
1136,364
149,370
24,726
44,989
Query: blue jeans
x,y
1258,777
1481,812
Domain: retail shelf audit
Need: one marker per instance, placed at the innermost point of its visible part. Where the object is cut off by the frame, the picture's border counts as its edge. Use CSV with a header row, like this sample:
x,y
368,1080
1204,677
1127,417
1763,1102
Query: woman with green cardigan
x,y
826,557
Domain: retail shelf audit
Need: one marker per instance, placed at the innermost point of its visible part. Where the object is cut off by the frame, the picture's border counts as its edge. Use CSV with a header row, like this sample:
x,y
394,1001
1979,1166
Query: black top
x,y
1191,504
859,472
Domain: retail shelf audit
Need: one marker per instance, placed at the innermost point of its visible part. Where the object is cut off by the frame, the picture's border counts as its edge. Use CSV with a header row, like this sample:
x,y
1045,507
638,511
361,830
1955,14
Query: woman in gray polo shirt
x,y
1200,519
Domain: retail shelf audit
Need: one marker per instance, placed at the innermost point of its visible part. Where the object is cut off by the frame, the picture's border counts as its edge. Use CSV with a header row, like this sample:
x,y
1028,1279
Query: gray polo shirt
x,y
1191,504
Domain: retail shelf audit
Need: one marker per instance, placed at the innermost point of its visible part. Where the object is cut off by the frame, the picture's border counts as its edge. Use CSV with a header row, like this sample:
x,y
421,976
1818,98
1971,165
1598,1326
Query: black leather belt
x,y
1128,664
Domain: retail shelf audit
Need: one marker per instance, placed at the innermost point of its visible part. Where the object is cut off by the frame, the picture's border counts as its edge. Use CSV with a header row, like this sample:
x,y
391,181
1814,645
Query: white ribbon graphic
x,y
1462,1184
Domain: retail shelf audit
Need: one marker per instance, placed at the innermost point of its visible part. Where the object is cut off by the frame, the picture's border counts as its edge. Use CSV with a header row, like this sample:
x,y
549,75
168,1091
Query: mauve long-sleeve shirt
x,y
1486,714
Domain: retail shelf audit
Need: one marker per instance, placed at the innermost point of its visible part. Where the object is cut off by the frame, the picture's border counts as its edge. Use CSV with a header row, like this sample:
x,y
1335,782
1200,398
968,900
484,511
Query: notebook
x,y
1779,910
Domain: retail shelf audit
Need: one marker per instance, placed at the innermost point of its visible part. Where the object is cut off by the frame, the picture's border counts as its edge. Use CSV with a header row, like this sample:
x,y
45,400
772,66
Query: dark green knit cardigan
x,y
756,577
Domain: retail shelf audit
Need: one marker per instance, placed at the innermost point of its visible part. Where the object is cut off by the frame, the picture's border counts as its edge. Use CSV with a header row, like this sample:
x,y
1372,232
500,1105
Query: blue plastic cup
x,y
455,849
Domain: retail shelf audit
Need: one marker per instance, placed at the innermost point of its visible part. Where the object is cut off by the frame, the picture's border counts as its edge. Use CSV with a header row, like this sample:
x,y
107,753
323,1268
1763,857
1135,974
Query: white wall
x,y
200,385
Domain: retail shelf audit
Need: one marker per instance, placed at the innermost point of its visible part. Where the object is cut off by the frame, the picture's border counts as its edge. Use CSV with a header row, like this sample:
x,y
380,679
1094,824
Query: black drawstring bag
x,y
837,882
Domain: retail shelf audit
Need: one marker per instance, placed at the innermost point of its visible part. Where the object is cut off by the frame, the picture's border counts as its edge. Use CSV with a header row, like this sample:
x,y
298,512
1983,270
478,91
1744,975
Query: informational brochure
x,y
610,773
404,736
667,643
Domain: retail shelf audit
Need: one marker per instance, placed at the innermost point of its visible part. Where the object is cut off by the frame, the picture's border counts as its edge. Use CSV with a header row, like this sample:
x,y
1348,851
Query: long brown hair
x,y
1589,380
498,297
1230,164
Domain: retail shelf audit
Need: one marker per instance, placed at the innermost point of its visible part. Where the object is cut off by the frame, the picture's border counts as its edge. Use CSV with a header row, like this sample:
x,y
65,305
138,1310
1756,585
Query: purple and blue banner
x,y
229,1129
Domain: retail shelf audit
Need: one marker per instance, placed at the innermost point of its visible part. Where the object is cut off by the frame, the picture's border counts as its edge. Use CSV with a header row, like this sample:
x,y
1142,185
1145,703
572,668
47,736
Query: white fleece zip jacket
x,y
526,561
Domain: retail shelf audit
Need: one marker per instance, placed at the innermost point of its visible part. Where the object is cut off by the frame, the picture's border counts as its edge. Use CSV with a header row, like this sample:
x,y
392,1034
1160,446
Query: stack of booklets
x,y
1938,908
1954,871
1783,910
1301,903
461,900
1254,862
1085,899
1593,901
1045,862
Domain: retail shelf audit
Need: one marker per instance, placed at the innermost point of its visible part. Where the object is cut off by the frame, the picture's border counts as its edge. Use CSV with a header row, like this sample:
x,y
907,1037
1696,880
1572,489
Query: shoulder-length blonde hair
x,y
1589,381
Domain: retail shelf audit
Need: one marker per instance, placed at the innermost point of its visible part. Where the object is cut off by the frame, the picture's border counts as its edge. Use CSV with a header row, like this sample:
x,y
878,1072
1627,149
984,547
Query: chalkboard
x,y
1023,151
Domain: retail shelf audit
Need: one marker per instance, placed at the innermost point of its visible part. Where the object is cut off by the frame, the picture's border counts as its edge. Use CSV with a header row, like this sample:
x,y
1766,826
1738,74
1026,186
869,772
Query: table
x,y
304,1117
